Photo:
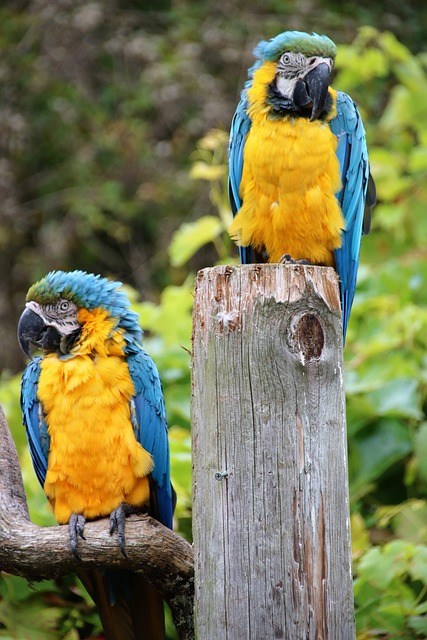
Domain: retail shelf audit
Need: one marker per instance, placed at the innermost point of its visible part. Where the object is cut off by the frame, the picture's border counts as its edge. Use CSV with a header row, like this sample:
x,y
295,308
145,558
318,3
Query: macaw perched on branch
x,y
299,181
95,420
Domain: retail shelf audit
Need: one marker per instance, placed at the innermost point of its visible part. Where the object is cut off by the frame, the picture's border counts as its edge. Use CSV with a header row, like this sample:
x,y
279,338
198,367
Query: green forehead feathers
x,y
43,293
296,42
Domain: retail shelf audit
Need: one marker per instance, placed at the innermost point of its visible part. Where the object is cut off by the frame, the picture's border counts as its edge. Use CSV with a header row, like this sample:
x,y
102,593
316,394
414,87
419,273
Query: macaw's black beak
x,y
317,85
33,330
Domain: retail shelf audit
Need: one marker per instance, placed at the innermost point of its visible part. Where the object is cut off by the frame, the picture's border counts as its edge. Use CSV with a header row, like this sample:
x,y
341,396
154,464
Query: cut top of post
x,y
249,284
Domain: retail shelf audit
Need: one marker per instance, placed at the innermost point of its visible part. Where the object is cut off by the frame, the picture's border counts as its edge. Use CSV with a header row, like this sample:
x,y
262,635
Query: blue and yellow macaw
x,y
95,420
299,181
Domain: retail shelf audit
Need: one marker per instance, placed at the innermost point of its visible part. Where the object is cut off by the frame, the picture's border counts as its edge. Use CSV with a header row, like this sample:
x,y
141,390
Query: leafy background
x,y
113,143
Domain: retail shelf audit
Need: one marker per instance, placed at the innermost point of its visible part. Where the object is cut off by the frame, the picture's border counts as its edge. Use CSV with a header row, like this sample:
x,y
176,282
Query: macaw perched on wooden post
x,y
95,420
299,181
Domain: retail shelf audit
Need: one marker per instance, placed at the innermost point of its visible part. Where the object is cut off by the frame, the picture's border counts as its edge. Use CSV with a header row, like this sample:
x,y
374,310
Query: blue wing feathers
x,y
239,129
35,425
240,126
151,427
352,154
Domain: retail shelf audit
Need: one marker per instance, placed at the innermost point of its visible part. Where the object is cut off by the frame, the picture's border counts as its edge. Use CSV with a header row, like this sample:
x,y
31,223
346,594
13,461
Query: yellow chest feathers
x,y
290,177
95,462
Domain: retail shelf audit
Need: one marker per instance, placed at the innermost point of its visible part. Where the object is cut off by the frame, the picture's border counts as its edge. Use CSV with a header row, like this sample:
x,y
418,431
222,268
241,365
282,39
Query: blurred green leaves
x,y
390,599
41,612
373,451
191,236
386,346
209,164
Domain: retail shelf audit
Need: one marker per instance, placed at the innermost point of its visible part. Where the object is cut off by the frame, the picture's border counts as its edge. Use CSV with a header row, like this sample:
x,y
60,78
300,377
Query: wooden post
x,y
271,508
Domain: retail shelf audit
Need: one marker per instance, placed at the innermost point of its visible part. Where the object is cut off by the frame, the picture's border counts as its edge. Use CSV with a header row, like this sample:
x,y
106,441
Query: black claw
x,y
287,259
76,526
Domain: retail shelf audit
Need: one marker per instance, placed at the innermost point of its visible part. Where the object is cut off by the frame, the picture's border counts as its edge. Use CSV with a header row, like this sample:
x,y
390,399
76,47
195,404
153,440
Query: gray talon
x,y
76,528
118,521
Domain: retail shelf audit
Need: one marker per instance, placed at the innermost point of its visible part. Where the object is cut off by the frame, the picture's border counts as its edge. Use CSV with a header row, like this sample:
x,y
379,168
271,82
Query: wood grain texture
x,y
271,510
38,553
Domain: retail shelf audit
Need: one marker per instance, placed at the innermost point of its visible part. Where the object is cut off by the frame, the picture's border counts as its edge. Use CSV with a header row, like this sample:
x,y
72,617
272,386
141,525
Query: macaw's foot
x,y
76,526
118,520
287,259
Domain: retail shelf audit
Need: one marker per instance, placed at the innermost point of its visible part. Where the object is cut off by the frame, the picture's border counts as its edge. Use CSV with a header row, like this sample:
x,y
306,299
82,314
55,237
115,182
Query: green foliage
x,y
209,164
191,236
385,354
61,610
390,591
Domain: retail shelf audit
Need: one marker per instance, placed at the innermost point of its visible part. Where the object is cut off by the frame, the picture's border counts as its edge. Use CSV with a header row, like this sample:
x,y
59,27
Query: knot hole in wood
x,y
306,337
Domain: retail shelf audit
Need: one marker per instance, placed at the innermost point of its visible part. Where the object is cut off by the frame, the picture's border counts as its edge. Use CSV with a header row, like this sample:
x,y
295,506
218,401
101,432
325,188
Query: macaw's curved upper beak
x,y
317,85
33,330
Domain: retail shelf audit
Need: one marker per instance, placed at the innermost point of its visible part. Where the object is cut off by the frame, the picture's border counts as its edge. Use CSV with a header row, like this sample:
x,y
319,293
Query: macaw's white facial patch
x,y
61,315
286,86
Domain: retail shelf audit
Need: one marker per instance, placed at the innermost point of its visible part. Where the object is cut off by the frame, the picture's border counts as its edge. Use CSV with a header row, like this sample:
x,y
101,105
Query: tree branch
x,y
39,553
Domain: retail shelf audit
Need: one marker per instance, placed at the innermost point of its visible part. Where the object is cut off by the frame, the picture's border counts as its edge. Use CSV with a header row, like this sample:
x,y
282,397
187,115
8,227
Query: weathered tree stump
x,y
271,508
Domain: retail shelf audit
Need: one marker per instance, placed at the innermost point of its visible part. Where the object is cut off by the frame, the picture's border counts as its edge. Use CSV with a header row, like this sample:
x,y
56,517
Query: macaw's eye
x,y
285,58
64,305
